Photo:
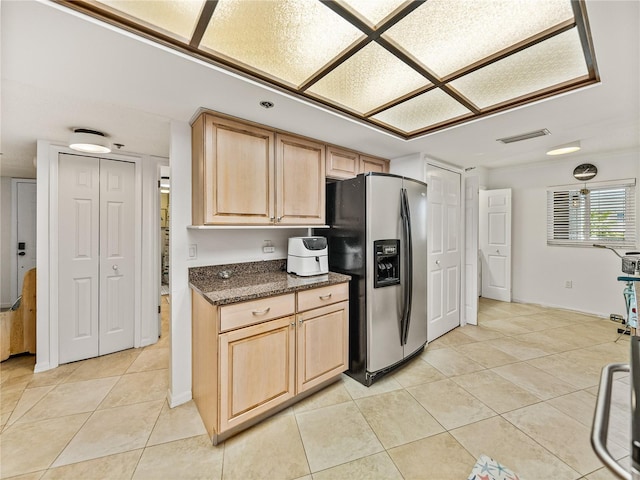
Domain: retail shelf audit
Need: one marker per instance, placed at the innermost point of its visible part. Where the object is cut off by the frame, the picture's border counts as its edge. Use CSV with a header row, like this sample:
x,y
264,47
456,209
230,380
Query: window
x,y
602,213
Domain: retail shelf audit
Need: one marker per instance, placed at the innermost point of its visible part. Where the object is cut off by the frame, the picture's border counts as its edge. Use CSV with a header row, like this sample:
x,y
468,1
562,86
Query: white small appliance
x,y
308,256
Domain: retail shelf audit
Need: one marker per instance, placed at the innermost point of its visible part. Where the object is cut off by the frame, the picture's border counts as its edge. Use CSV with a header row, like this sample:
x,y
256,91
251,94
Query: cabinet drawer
x,y
318,297
255,311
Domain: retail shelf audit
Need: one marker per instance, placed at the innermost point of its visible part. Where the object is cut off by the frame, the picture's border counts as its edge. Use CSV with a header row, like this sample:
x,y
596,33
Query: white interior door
x,y
495,243
117,237
445,253
78,256
96,204
25,230
471,250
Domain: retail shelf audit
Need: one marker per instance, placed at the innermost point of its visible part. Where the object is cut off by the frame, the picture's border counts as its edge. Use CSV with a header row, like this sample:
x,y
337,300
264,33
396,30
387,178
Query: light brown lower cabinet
x,y
243,375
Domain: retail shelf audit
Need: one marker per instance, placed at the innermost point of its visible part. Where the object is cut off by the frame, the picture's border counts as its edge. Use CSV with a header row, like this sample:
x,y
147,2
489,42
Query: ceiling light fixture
x,y
267,104
564,149
89,141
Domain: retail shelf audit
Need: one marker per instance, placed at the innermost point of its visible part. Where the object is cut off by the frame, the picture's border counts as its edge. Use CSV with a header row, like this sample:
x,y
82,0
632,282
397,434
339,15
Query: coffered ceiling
x,y
409,67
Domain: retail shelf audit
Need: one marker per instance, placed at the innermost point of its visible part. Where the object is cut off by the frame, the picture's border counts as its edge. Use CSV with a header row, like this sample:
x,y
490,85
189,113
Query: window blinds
x,y
603,213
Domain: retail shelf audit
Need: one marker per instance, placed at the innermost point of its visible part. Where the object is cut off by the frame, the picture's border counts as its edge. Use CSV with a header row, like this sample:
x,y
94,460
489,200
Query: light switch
x,y
193,251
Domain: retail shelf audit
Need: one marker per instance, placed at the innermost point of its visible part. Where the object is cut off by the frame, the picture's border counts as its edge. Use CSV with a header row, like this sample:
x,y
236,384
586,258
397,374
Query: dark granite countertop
x,y
252,280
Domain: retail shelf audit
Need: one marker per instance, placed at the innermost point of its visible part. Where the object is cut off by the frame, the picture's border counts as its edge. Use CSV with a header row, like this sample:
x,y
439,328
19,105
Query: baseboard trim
x,y
42,367
175,400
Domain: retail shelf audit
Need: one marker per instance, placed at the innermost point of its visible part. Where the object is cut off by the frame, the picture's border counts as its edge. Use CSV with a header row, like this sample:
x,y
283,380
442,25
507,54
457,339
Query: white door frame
x,y
47,226
471,215
14,235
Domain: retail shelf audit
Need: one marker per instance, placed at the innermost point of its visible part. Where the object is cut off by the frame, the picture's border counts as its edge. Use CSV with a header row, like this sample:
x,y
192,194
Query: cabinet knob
x,y
300,321
293,324
278,219
325,297
259,313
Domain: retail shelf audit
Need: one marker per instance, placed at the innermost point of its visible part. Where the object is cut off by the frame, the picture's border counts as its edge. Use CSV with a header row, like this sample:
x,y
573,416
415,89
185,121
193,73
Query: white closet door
x,y
445,251
117,208
495,243
78,283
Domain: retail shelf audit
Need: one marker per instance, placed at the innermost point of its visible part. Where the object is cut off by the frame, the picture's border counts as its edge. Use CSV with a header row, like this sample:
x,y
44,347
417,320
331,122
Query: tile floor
x,y
520,387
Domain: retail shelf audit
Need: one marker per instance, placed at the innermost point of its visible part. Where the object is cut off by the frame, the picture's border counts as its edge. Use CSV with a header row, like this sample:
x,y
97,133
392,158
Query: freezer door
x,y
384,305
417,196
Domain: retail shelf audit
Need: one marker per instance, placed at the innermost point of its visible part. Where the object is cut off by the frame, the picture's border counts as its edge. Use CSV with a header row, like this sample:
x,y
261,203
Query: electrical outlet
x,y
267,247
193,251
568,284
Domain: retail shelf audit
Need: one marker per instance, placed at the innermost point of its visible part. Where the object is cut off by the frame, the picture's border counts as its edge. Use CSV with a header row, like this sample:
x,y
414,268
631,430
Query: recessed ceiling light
x,y
564,149
267,104
89,141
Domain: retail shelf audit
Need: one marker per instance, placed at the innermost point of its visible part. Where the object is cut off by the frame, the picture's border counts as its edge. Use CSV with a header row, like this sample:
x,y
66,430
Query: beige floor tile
x,y
546,341
375,467
506,326
331,395
29,476
397,418
154,359
561,434
480,333
105,366
454,337
606,474
111,431
20,366
28,399
567,369
32,447
518,348
503,442
191,458
54,376
357,390
70,398
113,467
450,362
324,447
581,405
416,372
138,387
547,320
177,423
536,381
439,457
486,355
497,393
270,449
450,405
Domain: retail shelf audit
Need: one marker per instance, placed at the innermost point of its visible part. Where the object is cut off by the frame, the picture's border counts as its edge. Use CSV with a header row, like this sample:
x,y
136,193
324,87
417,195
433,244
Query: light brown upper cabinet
x,y
342,163
244,174
372,164
300,181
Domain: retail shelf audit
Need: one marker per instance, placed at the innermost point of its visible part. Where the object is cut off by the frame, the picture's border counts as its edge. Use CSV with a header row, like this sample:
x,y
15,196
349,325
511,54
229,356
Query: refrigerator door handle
x,y
408,290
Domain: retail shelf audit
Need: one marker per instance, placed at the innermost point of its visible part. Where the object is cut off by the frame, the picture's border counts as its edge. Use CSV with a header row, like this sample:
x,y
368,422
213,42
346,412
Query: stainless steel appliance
x,y
378,235
307,256
603,407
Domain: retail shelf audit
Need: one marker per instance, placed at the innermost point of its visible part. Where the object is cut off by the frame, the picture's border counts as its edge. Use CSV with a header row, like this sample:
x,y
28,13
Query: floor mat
x,y
486,468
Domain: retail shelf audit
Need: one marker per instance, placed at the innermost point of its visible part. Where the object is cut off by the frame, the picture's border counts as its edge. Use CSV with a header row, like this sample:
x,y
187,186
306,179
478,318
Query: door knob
x,y
497,251
115,267
22,254
437,262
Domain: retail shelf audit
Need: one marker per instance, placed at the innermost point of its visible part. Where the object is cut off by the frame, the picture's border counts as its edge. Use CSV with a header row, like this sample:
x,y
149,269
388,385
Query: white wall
x,y
539,272
5,242
214,247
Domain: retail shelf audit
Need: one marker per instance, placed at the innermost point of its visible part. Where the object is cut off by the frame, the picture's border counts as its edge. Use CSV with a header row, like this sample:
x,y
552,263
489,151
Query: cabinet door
x,y
238,173
300,184
257,370
372,164
323,344
342,163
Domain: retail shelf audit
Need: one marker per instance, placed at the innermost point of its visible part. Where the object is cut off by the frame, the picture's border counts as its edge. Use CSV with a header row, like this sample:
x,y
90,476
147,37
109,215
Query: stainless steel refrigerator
x,y
378,235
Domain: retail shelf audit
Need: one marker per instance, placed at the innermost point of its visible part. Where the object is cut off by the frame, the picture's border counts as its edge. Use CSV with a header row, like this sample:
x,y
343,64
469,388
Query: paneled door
x,y
95,234
117,238
495,243
445,251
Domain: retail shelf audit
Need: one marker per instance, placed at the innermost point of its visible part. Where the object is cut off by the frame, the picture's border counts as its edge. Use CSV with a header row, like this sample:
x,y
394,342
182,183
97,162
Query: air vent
x,y
525,136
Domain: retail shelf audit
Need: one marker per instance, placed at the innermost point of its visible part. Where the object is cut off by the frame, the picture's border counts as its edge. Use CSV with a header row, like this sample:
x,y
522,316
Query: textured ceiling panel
x,y
549,63
446,36
361,88
428,109
289,40
373,12
177,17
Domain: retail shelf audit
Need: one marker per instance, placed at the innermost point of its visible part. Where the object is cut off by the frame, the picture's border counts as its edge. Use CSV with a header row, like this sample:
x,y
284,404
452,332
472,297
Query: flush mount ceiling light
x,y
267,104
89,141
409,67
564,149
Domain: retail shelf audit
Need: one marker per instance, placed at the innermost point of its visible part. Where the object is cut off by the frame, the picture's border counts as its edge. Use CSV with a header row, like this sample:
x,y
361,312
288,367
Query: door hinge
x,y
158,183
158,308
